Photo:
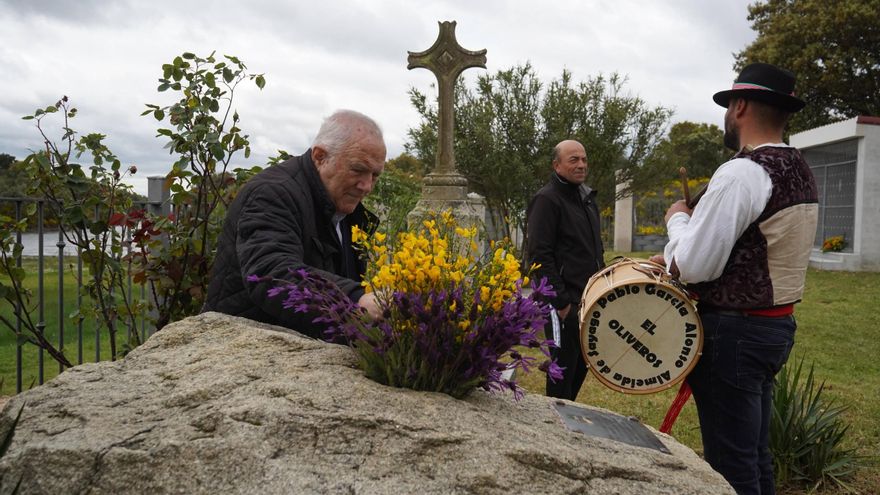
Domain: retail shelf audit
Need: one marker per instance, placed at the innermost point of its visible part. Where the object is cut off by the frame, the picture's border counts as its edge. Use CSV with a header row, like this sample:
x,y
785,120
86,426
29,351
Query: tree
x,y
6,161
507,126
396,192
172,255
85,199
12,178
698,147
833,47
617,129
175,254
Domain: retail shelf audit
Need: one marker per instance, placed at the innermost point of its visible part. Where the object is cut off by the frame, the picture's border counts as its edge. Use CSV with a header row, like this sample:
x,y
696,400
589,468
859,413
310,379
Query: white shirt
x,y
736,196
337,218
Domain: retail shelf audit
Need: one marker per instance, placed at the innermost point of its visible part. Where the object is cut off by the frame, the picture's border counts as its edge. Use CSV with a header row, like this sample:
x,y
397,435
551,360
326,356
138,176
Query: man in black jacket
x,y
299,214
563,238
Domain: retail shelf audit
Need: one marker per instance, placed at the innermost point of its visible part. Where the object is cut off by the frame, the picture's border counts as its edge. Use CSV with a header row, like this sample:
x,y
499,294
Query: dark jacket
x,y
563,236
282,220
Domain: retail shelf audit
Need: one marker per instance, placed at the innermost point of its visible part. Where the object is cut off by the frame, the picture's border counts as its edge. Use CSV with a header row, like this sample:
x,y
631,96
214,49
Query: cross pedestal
x,y
445,188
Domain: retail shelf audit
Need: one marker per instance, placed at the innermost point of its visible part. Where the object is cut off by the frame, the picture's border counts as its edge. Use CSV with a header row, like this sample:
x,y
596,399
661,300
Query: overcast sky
x,y
322,55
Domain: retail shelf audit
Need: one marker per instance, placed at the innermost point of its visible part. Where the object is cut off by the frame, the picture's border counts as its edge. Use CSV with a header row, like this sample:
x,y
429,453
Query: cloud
x,y
321,56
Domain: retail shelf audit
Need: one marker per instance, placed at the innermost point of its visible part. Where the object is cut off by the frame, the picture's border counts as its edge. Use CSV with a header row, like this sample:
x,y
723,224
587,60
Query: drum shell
x,y
639,332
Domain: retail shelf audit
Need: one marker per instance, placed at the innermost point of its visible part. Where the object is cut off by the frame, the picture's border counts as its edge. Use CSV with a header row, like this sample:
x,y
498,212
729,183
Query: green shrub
x,y
806,432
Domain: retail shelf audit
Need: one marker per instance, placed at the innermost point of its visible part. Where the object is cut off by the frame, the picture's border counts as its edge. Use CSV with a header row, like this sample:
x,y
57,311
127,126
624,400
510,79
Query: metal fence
x,y
38,249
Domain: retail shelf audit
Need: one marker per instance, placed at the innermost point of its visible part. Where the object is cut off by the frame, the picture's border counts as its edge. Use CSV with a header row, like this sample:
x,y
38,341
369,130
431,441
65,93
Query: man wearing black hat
x,y
743,250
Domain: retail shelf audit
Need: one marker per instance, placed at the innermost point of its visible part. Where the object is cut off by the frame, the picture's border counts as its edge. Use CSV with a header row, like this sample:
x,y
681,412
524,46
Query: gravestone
x,y
444,188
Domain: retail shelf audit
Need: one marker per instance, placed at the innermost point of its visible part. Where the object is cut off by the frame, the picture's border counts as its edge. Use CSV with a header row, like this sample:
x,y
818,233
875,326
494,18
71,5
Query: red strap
x,y
678,403
772,312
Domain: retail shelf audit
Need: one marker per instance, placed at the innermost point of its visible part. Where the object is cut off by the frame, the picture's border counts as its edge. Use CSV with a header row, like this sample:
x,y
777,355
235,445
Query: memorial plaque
x,y
608,425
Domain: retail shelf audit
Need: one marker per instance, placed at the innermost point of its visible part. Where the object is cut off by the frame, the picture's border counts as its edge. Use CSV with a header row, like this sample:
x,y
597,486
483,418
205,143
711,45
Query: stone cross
x,y
446,59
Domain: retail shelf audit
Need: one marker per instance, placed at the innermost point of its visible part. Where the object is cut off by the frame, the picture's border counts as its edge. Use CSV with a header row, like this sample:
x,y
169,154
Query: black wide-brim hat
x,y
765,83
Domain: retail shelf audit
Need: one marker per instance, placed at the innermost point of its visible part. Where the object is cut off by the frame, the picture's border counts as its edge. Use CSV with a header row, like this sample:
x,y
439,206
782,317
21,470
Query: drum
x,y
639,331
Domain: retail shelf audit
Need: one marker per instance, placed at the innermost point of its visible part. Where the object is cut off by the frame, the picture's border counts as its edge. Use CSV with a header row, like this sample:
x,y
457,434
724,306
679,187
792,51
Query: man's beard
x,y
731,136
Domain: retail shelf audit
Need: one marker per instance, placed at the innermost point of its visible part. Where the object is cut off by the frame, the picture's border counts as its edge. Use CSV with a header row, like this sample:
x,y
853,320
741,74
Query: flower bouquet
x,y
835,244
453,319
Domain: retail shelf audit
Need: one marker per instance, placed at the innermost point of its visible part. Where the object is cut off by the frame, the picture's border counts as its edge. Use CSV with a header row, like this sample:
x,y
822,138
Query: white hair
x,y
339,129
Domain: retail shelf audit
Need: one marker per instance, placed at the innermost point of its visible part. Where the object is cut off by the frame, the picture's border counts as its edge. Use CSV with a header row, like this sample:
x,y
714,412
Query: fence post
x,y
623,222
158,195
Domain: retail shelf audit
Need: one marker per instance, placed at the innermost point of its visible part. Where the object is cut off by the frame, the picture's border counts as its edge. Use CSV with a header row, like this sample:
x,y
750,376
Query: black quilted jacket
x,y
281,220
563,237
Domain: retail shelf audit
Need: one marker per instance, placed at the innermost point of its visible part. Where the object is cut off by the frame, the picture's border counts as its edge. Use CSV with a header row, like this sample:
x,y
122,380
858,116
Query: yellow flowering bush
x,y
453,316
651,230
453,313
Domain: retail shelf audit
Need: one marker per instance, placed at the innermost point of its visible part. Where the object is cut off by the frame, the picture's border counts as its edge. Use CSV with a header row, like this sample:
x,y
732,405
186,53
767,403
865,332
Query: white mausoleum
x,y
845,158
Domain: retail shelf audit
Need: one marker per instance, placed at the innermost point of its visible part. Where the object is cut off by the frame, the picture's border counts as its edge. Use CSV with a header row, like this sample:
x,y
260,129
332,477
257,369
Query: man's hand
x,y
564,311
678,206
371,305
658,258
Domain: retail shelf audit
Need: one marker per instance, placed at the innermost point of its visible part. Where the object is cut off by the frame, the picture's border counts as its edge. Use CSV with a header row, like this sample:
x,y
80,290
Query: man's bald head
x,y
570,161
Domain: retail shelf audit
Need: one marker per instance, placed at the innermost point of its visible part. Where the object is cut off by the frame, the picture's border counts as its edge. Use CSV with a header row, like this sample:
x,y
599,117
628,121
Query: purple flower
x,y
419,343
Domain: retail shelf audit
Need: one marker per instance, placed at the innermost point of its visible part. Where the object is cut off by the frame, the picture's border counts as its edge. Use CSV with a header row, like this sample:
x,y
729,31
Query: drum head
x,y
639,333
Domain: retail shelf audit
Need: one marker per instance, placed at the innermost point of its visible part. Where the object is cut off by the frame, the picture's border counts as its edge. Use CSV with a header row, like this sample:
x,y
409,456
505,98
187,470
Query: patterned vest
x,y
768,263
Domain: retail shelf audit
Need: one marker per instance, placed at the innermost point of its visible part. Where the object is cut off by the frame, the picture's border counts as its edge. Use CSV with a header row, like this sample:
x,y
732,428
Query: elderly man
x,y
563,238
299,214
744,251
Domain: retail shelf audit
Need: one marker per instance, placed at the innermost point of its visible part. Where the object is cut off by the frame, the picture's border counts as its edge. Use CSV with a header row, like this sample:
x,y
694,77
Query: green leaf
x,y
261,81
188,55
217,151
163,87
17,273
28,117
228,76
210,80
159,114
43,160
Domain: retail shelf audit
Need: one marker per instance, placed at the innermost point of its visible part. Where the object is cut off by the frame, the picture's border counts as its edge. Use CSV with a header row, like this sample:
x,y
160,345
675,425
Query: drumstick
x,y
683,173
696,199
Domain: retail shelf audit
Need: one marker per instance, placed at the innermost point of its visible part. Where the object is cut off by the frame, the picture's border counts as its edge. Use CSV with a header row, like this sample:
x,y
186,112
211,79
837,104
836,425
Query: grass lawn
x,y
75,353
837,330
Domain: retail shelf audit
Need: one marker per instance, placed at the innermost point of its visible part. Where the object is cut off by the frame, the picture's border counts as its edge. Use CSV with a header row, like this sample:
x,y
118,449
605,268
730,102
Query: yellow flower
x,y
357,235
484,293
447,217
